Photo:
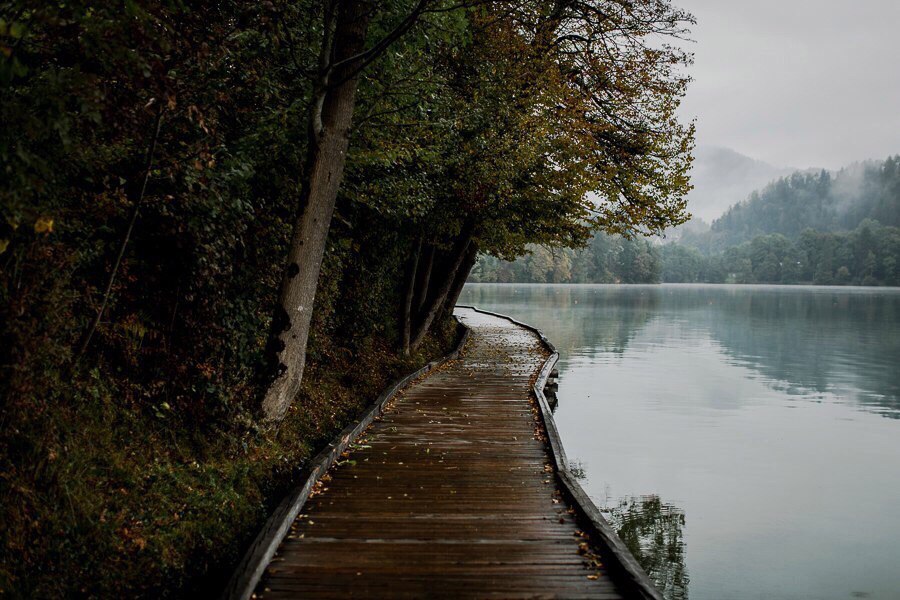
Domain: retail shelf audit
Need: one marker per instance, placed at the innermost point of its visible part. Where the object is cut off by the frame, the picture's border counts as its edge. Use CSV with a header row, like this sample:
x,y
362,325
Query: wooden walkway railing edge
x,y
251,568
629,573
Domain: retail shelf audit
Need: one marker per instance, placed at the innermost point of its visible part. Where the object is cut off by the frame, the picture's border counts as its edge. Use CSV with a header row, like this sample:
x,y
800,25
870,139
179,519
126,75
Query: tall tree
x,y
343,55
556,118
545,126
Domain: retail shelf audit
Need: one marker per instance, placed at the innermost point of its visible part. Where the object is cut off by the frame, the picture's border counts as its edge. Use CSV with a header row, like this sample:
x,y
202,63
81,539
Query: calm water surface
x,y
745,440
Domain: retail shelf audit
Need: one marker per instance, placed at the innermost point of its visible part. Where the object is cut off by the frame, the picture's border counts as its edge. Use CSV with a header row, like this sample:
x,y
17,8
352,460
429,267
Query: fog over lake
x,y
744,439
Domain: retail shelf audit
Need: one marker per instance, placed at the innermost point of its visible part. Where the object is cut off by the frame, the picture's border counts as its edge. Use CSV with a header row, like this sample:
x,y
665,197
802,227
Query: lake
x,y
745,440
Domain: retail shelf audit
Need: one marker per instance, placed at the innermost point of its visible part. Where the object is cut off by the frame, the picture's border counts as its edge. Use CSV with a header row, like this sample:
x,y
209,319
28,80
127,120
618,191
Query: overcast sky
x,y
800,83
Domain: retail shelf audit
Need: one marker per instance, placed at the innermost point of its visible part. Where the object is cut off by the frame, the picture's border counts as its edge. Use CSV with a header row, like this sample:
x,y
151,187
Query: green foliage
x,y
140,471
654,533
513,128
138,468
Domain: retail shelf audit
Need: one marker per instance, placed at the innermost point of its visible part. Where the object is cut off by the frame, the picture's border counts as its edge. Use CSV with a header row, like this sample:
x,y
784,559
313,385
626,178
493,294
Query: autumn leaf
x,y
43,225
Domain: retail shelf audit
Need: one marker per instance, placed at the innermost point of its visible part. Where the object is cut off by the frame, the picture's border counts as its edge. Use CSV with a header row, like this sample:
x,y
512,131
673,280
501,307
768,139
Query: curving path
x,y
451,494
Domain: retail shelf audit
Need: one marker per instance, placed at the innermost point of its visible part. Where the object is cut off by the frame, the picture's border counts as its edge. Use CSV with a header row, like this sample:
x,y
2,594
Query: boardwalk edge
x,y
251,568
631,575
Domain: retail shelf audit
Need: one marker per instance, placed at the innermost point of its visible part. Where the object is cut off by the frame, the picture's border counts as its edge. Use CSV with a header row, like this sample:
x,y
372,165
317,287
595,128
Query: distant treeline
x,y
868,255
814,228
606,259
820,228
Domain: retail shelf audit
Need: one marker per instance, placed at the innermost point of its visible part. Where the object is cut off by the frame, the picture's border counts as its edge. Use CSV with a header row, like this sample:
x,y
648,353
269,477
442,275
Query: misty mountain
x,y
826,228
823,201
723,177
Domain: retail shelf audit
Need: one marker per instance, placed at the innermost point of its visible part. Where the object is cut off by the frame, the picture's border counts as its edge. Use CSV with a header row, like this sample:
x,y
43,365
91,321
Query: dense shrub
x,y
137,467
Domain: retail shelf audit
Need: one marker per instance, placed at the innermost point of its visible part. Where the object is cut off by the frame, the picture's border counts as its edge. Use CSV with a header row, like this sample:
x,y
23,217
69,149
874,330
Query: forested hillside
x,y
226,226
868,255
818,228
822,201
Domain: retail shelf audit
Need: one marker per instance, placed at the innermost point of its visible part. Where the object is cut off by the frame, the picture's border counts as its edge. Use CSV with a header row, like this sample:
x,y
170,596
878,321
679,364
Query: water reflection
x,y
815,343
654,533
758,412
577,328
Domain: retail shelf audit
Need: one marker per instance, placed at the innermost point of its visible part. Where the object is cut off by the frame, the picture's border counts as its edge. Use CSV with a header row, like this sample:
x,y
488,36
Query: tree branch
x,y
134,215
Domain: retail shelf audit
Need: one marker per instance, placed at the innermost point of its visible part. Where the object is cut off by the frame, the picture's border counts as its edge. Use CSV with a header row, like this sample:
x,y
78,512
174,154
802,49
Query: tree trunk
x,y
424,280
331,114
408,300
436,302
460,280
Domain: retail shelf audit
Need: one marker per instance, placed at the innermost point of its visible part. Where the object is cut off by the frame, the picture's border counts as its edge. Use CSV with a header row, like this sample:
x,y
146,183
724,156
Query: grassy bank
x,y
104,498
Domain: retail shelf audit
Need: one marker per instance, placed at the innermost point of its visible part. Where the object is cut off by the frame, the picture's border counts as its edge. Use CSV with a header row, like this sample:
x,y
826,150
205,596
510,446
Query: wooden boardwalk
x,y
450,494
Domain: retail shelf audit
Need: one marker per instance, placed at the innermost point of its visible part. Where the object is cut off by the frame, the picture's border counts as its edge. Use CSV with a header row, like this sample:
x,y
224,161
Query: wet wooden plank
x,y
451,493
632,578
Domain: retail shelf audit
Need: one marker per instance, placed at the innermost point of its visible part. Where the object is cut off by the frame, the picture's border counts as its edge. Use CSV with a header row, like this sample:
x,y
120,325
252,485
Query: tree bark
x,y
330,118
408,300
436,301
424,280
460,280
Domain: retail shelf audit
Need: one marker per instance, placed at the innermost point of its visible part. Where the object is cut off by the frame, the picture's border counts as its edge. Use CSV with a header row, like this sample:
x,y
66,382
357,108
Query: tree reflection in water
x,y
654,533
